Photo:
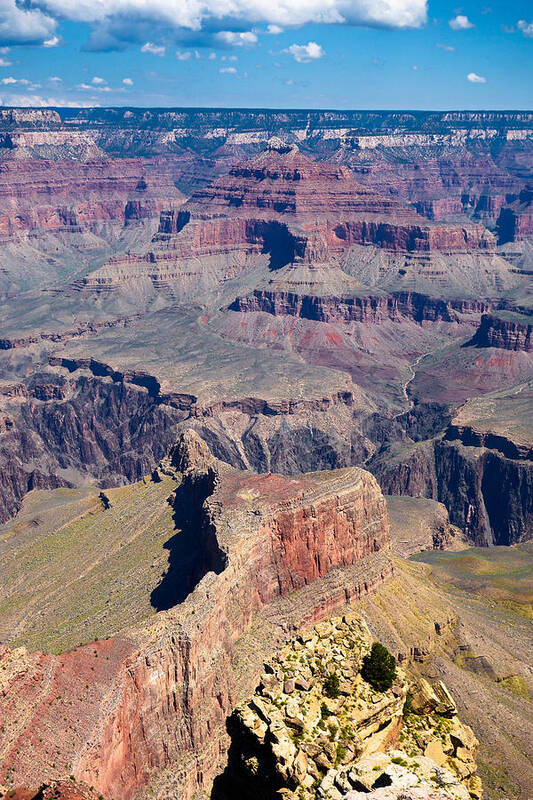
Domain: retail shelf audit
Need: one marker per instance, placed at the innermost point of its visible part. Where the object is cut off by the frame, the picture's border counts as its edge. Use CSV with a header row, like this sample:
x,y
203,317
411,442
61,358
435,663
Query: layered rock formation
x,y
158,696
504,332
449,164
62,199
480,468
362,308
285,206
77,187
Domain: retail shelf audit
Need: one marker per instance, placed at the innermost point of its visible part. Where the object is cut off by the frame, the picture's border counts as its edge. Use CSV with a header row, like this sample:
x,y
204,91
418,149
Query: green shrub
x,y
324,711
399,760
407,706
331,685
379,668
341,754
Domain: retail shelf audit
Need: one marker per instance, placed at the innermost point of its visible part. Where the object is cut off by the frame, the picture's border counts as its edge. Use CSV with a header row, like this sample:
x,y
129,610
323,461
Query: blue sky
x,y
269,53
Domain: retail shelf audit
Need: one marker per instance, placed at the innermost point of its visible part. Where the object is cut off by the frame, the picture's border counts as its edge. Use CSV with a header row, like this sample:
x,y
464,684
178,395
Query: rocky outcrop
x,y
29,117
417,238
406,470
58,432
488,495
278,208
470,437
516,220
315,728
158,697
504,332
61,181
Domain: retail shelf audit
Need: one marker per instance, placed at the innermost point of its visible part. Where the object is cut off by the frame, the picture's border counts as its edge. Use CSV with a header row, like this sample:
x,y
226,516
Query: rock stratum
x,y
145,700
283,205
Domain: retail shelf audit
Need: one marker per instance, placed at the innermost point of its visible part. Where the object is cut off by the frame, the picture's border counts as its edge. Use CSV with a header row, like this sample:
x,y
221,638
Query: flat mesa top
x,y
505,414
272,491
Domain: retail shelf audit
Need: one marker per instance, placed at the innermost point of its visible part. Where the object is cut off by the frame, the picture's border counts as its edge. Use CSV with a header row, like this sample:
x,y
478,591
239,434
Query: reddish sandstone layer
x,y
363,308
55,180
283,183
114,712
506,334
290,209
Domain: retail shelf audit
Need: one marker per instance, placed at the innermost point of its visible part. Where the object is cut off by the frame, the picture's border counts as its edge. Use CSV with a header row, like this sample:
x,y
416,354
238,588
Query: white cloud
x,y
183,56
154,49
212,56
5,63
274,29
447,47
53,41
232,39
55,79
228,71
192,13
127,81
415,68
22,81
90,87
303,53
474,78
37,101
460,23
118,22
525,27
24,25
98,81
4,50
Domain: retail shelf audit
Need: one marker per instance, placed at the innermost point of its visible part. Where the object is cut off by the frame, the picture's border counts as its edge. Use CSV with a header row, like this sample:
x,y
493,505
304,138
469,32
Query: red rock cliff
x,y
117,712
507,334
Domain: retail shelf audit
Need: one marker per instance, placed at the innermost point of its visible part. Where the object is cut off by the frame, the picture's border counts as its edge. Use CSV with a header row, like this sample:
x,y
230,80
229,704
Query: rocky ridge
x,y
289,208
312,543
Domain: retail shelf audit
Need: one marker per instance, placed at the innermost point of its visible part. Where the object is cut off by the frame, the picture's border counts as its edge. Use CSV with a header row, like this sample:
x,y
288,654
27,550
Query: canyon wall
x,y
369,308
485,481
504,333
60,433
159,697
